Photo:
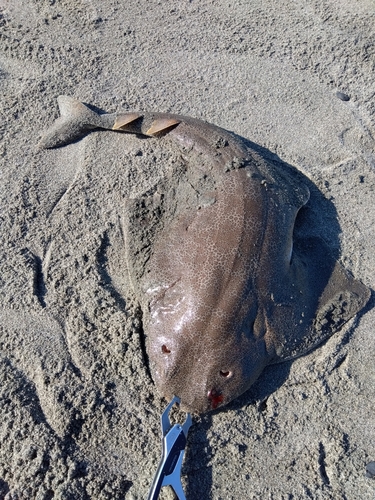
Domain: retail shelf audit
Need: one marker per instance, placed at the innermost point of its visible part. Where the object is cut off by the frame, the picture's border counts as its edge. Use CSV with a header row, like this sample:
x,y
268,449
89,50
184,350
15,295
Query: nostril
x,y
165,349
225,374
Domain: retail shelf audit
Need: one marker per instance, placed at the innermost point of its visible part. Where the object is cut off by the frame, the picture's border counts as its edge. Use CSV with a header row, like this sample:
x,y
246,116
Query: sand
x,y
79,414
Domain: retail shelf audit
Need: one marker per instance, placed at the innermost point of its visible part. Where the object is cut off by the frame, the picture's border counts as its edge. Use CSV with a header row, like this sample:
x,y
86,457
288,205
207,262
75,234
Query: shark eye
x,y
165,349
226,374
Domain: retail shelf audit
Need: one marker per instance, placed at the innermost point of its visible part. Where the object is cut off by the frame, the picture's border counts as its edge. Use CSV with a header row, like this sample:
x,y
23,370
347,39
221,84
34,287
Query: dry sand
x,y
79,414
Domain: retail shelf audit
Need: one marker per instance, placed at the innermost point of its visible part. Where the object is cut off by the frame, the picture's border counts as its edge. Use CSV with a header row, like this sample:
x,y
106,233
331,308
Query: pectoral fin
x,y
314,301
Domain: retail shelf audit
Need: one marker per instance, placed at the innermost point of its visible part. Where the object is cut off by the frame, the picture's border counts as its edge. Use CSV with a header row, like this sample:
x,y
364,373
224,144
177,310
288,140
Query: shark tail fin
x,y
75,119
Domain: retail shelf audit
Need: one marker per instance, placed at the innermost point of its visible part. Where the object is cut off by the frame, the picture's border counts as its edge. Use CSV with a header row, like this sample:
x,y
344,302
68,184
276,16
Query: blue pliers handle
x,y
174,442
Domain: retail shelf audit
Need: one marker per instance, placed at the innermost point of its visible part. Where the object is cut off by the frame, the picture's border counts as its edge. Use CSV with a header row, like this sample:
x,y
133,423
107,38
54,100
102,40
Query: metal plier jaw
x,y
174,442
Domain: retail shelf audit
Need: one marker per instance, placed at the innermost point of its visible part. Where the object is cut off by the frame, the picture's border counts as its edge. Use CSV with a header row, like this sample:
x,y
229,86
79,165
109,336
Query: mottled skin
x,y
225,293
208,339
209,335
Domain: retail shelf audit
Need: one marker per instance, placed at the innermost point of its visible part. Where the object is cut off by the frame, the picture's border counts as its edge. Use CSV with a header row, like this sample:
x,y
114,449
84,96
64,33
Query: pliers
x,y
174,442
